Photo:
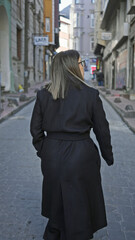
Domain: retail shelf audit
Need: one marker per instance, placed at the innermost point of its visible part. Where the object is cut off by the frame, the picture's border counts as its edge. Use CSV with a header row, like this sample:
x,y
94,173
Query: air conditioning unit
x,y
131,9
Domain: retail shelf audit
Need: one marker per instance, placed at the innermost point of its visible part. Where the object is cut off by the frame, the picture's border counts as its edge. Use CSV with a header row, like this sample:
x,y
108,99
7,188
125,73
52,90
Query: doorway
x,y
4,49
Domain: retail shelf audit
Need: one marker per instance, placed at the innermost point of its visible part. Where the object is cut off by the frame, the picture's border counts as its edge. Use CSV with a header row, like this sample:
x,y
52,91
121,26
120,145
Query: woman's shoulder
x,y
43,92
90,90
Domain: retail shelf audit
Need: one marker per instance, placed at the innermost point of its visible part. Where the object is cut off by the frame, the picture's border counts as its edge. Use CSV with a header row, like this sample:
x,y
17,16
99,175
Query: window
x,y
103,4
92,20
92,1
92,43
19,9
77,20
76,1
74,19
19,43
47,24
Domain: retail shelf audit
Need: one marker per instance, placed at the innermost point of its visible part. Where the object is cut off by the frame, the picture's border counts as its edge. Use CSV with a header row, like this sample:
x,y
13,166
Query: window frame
x,y
92,43
92,20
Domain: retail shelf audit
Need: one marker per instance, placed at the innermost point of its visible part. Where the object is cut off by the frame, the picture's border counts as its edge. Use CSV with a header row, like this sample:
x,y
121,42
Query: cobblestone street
x,y
21,179
118,182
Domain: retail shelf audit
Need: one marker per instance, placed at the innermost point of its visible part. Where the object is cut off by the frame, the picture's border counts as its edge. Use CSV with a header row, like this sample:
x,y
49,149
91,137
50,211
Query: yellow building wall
x,y
48,11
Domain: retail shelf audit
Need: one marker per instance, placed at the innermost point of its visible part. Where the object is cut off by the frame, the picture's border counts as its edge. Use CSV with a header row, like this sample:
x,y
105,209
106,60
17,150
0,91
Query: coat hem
x,y
94,230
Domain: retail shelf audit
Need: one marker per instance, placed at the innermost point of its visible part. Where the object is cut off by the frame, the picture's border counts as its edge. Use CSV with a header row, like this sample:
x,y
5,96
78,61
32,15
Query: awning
x,y
98,49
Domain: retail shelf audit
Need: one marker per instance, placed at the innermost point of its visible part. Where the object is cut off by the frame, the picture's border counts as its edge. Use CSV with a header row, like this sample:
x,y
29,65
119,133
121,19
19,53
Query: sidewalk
x,y
11,101
117,99
124,107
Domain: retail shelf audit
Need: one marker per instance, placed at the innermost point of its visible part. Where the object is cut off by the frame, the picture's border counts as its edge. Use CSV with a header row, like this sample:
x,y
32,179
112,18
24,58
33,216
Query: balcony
x,y
121,35
107,11
131,9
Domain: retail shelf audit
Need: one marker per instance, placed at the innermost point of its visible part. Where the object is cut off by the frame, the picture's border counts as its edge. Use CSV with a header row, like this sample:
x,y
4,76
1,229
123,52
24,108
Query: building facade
x,y
99,43
51,29
82,34
65,28
64,34
117,52
20,61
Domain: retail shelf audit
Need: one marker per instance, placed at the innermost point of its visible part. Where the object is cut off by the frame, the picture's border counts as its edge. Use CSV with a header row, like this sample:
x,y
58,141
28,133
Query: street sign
x,y
107,36
41,40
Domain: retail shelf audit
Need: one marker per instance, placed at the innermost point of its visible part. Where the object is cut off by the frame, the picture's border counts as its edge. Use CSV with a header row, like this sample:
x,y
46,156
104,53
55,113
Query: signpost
x,y
107,36
41,40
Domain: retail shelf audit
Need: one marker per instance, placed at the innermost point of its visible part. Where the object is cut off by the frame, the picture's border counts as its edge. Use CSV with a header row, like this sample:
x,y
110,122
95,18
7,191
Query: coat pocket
x,y
39,153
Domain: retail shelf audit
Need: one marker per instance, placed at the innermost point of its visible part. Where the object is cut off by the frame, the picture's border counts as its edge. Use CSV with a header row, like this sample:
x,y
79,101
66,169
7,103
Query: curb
x,y
17,109
119,112
33,98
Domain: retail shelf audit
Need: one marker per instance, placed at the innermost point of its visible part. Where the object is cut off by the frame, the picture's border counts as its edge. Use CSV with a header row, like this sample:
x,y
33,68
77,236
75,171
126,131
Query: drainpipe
x,y
26,48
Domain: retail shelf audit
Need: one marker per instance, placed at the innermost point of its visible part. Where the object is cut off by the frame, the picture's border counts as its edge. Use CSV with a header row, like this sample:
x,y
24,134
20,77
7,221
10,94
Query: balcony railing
x,y
131,9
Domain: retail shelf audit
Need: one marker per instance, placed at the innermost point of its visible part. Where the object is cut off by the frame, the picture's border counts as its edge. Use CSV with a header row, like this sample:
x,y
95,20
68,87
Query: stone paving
x,y
21,180
122,105
119,182
7,109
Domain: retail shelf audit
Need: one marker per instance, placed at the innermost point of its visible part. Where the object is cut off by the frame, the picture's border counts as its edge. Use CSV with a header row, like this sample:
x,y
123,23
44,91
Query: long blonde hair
x,y
64,71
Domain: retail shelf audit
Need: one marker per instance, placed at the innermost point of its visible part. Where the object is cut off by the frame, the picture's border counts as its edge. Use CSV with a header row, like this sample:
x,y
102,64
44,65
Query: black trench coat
x,y
70,160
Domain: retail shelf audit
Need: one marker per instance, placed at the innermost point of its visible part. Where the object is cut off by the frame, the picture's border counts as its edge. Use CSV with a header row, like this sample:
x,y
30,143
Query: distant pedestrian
x,y
67,109
100,78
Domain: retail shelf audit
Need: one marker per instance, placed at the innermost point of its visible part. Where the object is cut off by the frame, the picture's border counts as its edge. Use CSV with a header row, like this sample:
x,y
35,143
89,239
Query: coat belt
x,y
68,136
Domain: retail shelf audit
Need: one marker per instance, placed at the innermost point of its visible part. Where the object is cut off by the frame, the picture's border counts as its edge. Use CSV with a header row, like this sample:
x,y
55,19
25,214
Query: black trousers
x,y
53,233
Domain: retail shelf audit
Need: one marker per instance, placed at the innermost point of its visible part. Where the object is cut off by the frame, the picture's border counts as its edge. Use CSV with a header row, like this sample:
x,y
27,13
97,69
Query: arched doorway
x,y
4,49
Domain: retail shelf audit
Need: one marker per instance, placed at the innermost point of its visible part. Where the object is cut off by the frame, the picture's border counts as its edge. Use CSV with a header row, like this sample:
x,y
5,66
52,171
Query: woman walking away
x,y
66,110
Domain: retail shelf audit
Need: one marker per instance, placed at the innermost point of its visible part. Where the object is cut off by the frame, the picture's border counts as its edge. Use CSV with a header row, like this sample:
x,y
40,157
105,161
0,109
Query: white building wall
x,y
64,35
35,72
82,31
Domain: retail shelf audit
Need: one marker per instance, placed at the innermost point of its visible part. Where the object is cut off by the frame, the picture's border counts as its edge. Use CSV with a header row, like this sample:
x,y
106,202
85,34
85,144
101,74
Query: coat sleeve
x,y
101,130
36,126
